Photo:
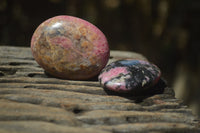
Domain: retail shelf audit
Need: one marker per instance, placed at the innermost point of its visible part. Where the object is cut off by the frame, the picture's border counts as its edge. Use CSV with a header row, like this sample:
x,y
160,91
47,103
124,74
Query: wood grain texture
x,y
33,101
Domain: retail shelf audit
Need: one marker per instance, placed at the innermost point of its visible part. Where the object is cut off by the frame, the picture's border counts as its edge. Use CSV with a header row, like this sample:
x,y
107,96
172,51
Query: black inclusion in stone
x,y
138,74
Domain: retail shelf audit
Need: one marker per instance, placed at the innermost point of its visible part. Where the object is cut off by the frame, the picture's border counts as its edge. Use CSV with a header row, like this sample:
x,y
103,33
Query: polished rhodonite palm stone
x,y
129,75
69,47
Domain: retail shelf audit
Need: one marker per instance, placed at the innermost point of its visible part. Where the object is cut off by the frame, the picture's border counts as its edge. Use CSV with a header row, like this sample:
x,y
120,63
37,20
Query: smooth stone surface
x,y
129,75
69,47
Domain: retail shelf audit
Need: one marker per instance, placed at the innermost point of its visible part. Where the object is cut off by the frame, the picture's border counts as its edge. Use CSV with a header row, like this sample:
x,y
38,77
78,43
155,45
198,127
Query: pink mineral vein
x,y
112,73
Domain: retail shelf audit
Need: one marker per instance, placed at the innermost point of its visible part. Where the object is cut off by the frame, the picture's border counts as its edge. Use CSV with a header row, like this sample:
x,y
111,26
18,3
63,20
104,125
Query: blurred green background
x,y
165,31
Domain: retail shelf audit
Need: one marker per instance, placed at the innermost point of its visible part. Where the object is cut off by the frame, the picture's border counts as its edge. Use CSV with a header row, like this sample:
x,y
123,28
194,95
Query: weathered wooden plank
x,y
32,101
153,127
83,106
23,111
113,117
43,127
89,89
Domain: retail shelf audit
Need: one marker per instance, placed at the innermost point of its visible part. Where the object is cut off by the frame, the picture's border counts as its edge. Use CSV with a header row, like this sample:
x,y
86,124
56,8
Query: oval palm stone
x,y
69,47
129,75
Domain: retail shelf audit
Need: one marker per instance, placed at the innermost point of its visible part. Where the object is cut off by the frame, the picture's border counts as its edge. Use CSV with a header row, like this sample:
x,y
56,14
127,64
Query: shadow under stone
x,y
95,78
139,96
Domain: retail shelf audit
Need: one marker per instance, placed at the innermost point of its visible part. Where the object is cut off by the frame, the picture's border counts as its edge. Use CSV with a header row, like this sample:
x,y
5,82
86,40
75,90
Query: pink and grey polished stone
x,y
129,75
69,47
